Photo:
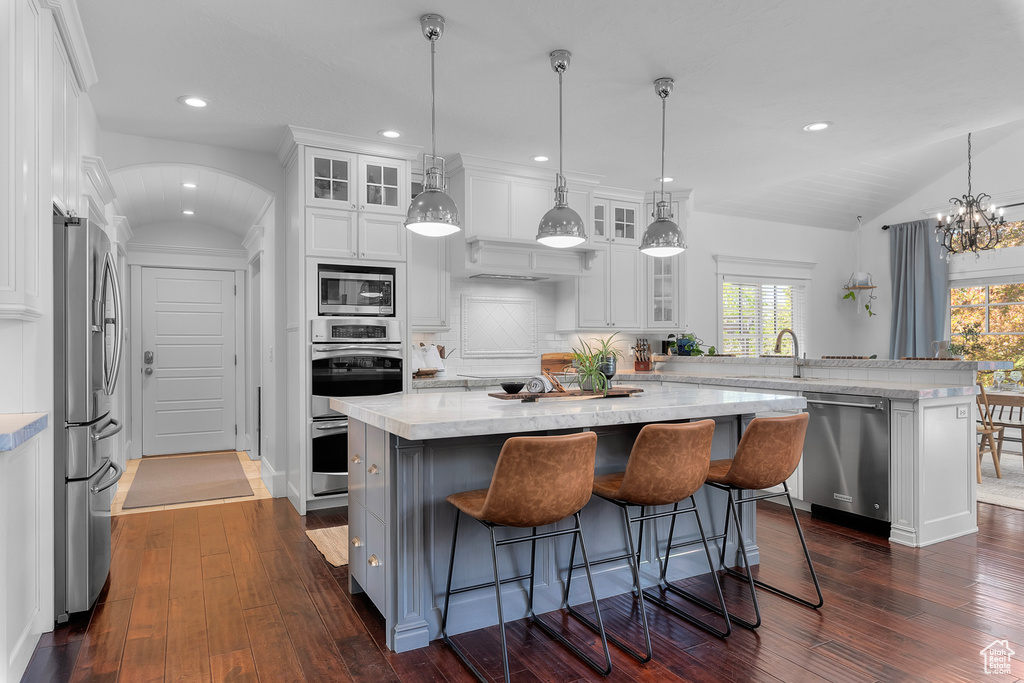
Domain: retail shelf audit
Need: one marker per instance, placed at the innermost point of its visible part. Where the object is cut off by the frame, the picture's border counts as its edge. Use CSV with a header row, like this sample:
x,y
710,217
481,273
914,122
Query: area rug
x,y
167,481
1008,491
332,543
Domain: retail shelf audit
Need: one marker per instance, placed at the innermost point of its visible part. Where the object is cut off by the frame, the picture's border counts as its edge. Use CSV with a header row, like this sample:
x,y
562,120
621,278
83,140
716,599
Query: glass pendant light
x,y
663,237
433,213
561,227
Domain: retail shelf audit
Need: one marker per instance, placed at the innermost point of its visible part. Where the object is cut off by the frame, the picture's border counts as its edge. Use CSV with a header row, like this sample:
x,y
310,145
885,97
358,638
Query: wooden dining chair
x,y
989,432
1008,417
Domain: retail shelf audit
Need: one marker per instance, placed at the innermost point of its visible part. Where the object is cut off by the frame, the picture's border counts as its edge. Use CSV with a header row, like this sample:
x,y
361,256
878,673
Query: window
x,y
996,311
755,310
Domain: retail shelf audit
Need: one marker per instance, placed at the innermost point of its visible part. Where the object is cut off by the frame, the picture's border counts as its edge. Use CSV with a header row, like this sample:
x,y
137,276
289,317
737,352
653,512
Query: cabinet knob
x,y
372,469
356,459
356,542
373,561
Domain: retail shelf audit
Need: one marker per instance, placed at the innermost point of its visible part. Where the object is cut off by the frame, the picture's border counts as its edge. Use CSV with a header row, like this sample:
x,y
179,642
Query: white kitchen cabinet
x,y
608,296
369,512
383,186
354,234
663,296
429,280
66,152
381,237
616,220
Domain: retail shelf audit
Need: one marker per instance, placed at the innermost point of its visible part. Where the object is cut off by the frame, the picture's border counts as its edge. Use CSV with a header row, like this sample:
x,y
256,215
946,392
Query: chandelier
x,y
967,227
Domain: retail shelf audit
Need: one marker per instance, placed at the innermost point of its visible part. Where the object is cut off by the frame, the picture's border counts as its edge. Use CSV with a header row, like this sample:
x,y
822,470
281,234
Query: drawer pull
x,y
372,469
373,561
356,459
356,543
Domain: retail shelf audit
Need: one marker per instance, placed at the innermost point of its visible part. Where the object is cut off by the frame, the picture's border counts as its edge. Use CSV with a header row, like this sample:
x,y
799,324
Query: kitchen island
x,y
408,452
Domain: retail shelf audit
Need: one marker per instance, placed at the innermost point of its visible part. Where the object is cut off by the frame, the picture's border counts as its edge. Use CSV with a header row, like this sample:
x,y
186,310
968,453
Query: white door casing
x,y
188,323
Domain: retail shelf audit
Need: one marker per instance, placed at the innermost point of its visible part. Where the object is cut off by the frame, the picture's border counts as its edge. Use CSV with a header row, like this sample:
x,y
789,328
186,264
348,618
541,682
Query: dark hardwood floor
x,y
237,592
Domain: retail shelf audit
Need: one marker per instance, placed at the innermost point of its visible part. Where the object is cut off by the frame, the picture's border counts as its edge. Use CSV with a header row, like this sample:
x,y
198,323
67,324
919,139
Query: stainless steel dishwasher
x,y
846,454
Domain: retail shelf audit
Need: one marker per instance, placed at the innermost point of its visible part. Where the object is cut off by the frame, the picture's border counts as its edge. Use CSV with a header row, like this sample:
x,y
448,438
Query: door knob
x,y
148,371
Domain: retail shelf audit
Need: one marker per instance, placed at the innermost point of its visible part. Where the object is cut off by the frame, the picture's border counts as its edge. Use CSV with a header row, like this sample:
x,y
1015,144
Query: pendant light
x,y
662,237
561,227
433,213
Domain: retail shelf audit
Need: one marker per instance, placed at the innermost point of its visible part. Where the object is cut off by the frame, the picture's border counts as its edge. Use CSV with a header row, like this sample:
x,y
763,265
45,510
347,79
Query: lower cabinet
x,y
368,512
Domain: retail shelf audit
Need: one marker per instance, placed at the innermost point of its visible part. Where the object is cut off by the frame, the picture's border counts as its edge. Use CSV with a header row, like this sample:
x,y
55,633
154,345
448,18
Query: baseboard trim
x,y
272,479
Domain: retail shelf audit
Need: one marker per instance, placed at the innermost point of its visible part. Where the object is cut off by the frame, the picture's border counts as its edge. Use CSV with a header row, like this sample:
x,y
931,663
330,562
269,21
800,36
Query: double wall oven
x,y
350,356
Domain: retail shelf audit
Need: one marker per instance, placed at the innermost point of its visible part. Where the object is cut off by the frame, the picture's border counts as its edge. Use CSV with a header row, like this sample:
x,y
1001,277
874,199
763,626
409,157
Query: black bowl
x,y
512,387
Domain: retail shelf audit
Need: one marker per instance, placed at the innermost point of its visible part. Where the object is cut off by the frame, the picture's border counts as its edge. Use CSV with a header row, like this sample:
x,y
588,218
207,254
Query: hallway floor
x,y
249,466
237,592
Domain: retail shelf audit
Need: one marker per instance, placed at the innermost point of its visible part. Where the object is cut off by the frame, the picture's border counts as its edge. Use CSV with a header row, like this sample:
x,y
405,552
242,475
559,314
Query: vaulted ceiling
x,y
903,81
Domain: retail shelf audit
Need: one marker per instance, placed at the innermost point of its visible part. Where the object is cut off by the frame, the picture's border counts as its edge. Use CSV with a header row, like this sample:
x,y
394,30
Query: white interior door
x,y
189,372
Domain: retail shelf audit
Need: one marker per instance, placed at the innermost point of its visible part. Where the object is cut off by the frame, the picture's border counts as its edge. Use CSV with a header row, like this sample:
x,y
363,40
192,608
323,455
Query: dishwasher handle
x,y
874,406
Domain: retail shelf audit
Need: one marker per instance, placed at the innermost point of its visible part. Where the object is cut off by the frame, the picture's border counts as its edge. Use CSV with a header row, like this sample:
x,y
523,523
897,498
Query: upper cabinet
x,y
663,277
66,153
617,217
356,205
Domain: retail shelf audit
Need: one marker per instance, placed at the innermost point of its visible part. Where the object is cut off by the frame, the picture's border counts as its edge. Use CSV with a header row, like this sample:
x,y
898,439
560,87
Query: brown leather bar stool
x,y
537,481
667,464
766,457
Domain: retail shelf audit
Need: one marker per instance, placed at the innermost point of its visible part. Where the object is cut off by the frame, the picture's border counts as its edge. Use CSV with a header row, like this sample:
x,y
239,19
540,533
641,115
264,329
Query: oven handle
x,y
331,426
321,349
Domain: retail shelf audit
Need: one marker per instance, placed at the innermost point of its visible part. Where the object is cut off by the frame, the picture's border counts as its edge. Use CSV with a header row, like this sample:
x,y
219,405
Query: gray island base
x,y
408,452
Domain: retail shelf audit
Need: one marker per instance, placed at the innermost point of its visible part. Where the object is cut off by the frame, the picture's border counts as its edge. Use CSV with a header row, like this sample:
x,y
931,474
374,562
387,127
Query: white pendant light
x,y
561,227
662,237
433,213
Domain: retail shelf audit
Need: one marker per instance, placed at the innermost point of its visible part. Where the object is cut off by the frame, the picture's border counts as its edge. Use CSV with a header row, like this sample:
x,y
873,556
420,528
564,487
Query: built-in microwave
x,y
355,290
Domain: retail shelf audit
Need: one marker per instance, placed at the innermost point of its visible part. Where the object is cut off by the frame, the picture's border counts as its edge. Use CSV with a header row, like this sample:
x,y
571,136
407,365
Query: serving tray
x,y
568,395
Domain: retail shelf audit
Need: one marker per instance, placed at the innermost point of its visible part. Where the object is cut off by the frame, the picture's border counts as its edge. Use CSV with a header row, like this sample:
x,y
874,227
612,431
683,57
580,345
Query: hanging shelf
x,y
860,287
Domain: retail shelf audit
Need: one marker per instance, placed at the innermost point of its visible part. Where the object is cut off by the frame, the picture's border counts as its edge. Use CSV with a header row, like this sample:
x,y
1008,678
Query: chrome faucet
x,y
796,349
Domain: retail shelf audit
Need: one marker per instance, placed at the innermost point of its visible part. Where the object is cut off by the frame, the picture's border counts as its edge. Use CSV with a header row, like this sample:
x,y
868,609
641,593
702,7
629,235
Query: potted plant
x,y
595,363
692,345
606,351
869,297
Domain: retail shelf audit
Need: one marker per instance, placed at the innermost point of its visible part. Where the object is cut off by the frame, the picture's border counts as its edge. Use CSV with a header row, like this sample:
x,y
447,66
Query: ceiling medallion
x,y
967,227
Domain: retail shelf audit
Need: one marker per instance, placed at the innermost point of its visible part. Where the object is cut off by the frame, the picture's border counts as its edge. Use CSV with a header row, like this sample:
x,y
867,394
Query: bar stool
x,y
667,464
537,481
767,456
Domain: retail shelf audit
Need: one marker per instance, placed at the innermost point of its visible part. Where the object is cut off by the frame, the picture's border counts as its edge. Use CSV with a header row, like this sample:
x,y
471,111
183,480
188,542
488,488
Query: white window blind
x,y
755,310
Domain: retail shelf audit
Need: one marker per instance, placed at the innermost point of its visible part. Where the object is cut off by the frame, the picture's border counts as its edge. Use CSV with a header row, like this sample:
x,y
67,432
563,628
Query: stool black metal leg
x,y
568,579
597,613
748,577
501,615
447,597
668,548
719,609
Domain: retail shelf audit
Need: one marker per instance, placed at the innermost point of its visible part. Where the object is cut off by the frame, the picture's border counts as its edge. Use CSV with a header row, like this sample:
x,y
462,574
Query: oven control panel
x,y
333,330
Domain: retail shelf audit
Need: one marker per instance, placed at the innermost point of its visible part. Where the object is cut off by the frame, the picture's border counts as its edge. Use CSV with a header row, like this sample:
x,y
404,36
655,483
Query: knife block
x,y
641,366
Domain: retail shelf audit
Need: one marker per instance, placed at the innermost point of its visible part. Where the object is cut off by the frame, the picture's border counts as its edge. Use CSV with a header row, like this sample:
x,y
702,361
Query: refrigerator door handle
x,y
112,428
110,372
113,466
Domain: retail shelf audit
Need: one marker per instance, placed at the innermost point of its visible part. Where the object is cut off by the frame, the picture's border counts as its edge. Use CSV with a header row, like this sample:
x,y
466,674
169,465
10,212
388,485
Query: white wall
x,y
829,319
996,171
120,151
186,234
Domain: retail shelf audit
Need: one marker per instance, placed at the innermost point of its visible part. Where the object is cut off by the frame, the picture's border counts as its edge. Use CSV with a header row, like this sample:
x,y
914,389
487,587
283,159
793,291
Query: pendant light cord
x,y
969,193
433,135
560,122
663,103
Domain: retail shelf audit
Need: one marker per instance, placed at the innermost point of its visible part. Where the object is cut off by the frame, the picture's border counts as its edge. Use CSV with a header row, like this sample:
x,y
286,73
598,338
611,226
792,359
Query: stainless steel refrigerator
x,y
88,338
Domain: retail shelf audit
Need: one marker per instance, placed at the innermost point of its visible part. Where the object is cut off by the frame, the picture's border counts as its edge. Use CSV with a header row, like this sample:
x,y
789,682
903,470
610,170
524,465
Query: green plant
x,y
588,360
969,341
606,347
695,345
852,296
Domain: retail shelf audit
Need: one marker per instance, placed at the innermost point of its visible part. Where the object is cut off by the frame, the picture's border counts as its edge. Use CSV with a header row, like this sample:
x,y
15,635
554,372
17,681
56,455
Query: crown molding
x,y
96,172
72,32
122,230
296,135
253,241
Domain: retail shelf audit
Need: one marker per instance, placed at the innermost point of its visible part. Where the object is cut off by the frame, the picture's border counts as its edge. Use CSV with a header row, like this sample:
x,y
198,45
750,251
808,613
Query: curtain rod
x,y
886,227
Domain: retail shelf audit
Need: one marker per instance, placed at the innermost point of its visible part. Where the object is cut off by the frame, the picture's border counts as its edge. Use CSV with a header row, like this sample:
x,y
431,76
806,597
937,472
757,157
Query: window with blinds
x,y
754,311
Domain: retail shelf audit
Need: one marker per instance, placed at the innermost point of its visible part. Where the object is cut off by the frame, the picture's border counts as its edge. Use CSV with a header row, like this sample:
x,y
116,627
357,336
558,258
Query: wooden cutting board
x,y
555,362
569,395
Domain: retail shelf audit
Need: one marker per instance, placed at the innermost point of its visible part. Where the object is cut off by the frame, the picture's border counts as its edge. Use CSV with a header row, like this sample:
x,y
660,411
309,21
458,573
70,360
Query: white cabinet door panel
x,y
330,233
623,286
381,237
592,294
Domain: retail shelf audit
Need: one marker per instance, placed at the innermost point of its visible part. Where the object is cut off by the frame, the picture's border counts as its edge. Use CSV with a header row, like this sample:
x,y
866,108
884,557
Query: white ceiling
x,y
150,195
904,81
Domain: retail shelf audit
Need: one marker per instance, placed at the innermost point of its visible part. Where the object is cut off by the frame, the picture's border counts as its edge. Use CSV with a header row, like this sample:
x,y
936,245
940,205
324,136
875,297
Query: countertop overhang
x,y
452,415
17,428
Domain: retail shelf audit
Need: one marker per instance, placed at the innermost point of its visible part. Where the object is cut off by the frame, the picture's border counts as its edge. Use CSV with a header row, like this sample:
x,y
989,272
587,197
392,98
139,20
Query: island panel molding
x,y
498,327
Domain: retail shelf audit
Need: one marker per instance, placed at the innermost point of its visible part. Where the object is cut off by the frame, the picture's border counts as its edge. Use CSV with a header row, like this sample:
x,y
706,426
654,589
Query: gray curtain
x,y
920,289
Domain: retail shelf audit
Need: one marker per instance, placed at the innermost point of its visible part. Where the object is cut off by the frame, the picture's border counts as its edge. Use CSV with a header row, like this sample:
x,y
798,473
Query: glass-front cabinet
x,y
616,218
663,292
339,180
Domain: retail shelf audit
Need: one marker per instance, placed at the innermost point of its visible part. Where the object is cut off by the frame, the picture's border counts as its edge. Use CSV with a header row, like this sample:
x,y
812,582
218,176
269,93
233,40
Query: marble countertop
x,y
448,415
17,428
980,365
860,387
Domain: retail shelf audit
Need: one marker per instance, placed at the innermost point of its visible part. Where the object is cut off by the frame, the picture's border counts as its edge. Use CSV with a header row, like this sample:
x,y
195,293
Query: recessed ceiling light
x,y
817,125
190,186
540,157
188,212
193,101
666,179
389,133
